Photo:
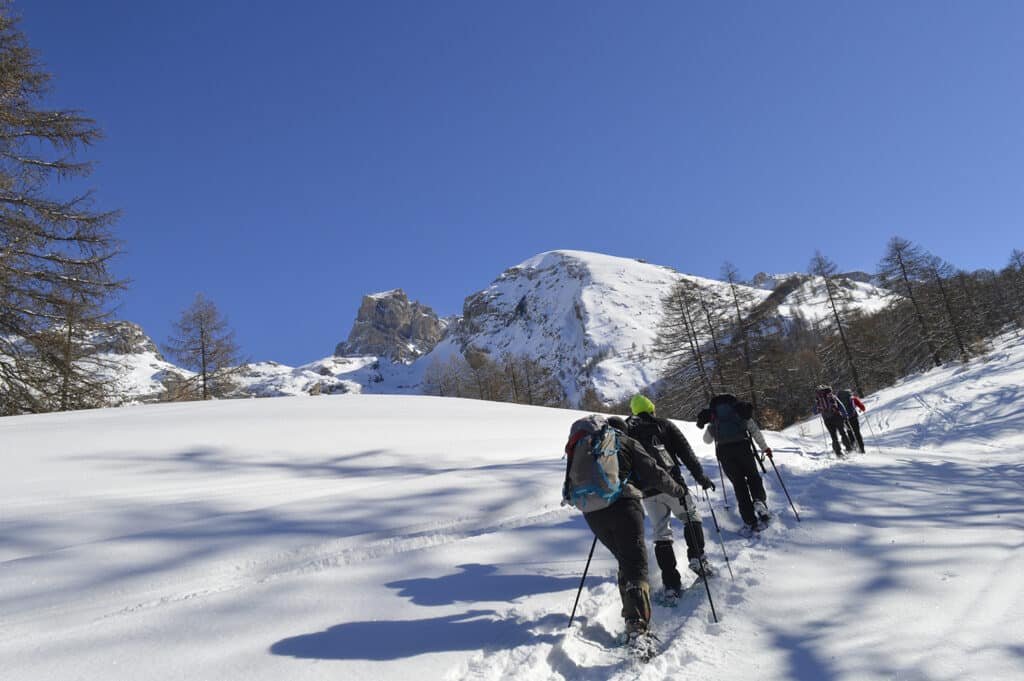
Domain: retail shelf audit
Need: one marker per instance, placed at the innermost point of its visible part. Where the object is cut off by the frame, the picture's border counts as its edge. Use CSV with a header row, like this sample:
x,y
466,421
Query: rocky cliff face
x,y
126,338
390,325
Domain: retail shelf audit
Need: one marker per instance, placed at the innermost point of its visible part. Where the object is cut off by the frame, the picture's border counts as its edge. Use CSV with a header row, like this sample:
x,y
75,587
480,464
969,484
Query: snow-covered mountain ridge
x,y
591,318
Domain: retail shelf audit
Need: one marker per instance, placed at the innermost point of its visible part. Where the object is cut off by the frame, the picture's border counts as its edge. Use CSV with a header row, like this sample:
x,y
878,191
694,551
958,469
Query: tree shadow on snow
x,y
475,582
804,664
392,640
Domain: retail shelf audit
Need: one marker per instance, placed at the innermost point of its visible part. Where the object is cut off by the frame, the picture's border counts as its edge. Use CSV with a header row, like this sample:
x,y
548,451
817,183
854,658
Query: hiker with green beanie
x,y
668,447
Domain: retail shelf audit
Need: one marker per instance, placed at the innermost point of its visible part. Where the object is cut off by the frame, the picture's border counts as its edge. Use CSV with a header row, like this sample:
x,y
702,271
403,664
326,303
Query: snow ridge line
x,y
322,557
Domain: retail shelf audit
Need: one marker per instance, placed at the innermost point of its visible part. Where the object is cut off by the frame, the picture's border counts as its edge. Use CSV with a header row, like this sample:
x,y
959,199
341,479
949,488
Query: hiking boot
x,y
635,627
702,567
761,511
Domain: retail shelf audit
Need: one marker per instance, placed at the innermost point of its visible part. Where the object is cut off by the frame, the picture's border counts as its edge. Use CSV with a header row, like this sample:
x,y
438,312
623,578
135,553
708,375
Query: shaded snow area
x,y
379,537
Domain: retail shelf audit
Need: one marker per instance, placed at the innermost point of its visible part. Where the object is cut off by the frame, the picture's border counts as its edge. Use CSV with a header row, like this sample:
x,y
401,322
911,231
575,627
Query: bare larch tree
x,y
204,343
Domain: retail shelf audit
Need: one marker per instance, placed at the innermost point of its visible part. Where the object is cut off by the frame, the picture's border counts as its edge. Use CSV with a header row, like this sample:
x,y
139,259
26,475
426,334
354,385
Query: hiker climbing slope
x,y
731,427
605,471
834,415
851,403
670,450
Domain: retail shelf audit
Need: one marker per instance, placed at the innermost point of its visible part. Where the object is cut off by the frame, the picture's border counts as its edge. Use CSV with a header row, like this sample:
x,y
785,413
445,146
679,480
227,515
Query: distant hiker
x,y
670,450
605,471
851,403
731,427
833,413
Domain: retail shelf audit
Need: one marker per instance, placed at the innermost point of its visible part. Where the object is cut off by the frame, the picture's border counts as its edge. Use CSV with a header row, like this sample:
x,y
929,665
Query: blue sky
x,y
287,158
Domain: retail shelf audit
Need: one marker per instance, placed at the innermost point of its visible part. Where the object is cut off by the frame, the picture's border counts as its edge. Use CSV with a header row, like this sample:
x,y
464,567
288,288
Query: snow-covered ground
x,y
406,537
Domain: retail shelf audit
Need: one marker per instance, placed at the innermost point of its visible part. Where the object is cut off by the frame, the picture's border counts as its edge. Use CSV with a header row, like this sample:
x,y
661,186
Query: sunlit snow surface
x,y
403,537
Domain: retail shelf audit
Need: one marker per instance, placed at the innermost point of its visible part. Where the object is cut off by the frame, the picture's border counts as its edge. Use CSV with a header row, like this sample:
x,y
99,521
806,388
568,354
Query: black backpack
x,y
729,417
646,433
846,398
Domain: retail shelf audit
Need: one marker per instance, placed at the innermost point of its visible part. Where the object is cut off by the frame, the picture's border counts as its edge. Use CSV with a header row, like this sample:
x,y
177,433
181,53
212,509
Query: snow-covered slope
x,y
395,537
811,302
591,318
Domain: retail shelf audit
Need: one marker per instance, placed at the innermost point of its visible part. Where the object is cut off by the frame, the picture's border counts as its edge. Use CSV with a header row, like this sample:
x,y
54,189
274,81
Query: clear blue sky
x,y
287,157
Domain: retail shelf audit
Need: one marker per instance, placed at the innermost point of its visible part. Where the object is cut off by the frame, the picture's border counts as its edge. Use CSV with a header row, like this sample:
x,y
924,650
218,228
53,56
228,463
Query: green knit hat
x,y
640,404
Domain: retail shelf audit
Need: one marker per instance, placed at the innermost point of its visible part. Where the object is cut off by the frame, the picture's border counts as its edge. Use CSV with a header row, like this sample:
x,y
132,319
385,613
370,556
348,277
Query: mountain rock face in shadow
x,y
389,325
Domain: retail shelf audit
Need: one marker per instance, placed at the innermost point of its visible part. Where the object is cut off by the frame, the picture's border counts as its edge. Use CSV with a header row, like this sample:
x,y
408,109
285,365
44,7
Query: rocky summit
x,y
389,325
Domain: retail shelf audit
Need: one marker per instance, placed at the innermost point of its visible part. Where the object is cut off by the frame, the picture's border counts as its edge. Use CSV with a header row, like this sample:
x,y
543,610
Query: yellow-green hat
x,y
640,404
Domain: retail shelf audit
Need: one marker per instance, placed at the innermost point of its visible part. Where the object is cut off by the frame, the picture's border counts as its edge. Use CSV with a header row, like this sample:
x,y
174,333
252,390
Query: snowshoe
x,y
701,567
642,645
763,516
668,598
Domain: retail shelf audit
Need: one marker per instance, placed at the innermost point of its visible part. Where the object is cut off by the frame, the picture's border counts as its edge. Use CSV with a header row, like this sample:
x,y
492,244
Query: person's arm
x,y
755,433
857,403
842,408
646,472
709,437
682,452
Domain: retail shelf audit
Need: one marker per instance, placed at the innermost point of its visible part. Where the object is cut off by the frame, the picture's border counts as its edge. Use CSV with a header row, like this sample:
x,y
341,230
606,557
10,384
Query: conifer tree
x,y
204,343
731,276
900,271
825,269
55,251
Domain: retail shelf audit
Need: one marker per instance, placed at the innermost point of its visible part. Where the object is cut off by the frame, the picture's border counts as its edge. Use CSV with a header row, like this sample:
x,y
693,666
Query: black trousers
x,y
837,425
738,464
854,424
620,527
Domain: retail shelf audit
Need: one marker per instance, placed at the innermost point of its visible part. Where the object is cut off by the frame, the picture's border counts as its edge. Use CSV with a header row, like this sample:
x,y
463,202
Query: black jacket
x,y
666,445
644,472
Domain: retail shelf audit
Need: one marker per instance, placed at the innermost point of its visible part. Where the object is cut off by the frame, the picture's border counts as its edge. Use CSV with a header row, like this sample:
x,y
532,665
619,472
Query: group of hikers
x,y
618,468
839,413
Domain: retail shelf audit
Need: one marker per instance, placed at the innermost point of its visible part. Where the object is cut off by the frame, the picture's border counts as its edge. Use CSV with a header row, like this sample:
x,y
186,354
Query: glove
x,y
706,483
768,452
703,418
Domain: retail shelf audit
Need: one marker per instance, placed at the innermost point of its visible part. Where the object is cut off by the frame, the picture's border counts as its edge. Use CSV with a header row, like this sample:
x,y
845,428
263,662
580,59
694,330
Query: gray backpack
x,y
592,479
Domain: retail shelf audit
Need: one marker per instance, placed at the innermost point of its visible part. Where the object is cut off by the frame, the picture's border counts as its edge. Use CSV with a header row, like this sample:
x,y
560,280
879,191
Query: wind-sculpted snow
x,y
406,537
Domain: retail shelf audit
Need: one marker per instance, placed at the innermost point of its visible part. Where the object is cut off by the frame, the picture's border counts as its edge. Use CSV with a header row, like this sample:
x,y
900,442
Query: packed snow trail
x,y
387,537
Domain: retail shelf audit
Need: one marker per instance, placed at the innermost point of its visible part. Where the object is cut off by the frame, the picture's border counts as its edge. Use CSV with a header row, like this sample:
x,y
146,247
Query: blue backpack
x,y
592,477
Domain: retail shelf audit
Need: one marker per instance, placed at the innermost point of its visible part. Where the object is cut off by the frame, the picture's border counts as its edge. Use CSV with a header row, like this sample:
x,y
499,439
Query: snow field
x,y
397,537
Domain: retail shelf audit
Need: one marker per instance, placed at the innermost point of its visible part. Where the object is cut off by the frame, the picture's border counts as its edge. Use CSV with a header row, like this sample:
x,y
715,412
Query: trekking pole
x,y
582,579
721,476
824,433
711,601
873,436
719,531
779,475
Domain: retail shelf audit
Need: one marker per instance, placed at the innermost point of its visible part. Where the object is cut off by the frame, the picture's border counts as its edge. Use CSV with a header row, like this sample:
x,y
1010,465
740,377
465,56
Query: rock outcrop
x,y
390,325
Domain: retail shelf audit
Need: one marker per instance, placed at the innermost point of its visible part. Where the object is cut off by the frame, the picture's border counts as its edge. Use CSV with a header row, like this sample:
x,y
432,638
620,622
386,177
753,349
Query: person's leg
x,y
620,527
855,427
844,433
733,465
693,531
658,511
832,426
